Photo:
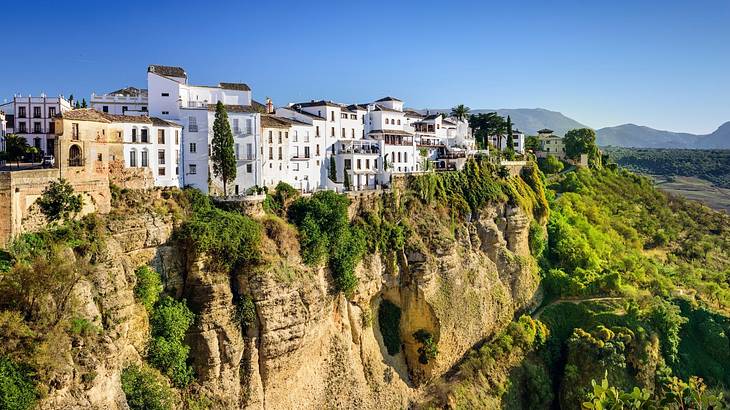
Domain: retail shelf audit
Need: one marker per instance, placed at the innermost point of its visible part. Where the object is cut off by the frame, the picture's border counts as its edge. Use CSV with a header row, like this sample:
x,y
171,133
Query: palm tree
x,y
460,112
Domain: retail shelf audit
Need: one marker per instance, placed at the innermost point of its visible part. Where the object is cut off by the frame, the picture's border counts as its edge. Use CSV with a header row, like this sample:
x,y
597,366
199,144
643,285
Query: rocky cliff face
x,y
309,347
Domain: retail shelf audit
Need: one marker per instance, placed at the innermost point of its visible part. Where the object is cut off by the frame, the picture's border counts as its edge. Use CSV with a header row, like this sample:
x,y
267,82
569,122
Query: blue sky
x,y
664,64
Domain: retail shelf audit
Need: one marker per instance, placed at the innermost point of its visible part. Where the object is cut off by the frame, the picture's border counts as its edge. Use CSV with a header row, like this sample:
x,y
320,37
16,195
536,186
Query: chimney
x,y
269,106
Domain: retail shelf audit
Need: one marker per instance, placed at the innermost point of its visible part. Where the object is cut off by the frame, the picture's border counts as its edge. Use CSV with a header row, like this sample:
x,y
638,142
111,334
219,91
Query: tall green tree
x,y
59,201
510,150
83,103
223,155
460,112
487,124
333,169
582,141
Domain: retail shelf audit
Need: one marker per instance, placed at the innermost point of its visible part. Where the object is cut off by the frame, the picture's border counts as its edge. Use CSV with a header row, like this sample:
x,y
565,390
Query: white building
x,y
153,143
500,141
32,118
125,101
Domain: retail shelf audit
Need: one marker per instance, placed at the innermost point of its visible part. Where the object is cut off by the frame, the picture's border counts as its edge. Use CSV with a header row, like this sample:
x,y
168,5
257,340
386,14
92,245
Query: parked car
x,y
48,161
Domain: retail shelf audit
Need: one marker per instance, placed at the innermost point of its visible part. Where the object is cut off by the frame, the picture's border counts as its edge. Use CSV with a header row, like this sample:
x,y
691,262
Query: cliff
x,y
459,280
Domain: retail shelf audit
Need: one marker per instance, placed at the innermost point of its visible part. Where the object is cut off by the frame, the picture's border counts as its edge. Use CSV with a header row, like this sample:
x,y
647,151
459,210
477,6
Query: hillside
x,y
469,289
630,135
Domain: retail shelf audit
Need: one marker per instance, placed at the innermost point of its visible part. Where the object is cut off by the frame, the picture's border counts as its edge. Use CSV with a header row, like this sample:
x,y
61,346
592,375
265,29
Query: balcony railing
x,y
195,104
193,128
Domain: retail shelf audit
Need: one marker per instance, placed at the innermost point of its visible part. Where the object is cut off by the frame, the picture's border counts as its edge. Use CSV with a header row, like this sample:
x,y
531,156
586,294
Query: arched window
x,y
133,158
134,134
74,156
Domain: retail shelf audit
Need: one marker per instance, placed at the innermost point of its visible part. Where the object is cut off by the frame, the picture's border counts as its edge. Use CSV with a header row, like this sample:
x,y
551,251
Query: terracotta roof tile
x,y
167,71
235,86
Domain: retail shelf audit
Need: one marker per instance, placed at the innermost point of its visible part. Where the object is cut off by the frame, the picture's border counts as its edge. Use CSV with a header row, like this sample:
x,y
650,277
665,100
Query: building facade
x,y
551,145
125,101
33,118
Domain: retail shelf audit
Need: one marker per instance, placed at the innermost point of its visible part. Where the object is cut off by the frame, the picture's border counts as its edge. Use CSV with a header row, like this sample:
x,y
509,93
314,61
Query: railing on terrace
x,y
359,148
194,104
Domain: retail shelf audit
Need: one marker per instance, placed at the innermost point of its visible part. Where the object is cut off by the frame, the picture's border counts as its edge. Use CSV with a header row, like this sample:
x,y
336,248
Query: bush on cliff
x,y
170,321
17,389
326,235
59,202
148,287
146,389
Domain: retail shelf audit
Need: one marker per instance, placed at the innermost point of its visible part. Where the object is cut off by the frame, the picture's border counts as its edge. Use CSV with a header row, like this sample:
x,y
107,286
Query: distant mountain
x,y
530,120
631,135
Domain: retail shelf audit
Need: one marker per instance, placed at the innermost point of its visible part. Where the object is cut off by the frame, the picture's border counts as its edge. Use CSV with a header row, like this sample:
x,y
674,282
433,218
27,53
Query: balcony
x,y
430,142
194,104
300,157
359,147
192,128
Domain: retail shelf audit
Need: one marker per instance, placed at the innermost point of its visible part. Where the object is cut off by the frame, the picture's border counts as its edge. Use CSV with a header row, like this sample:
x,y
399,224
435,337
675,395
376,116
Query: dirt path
x,y
536,314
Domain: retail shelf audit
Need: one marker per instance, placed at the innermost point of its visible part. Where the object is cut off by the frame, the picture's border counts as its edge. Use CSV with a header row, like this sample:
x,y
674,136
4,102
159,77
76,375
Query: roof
x,y
90,114
235,86
379,107
357,107
308,114
167,71
237,108
293,121
545,131
268,121
319,103
129,92
431,117
388,99
390,132
411,113
447,122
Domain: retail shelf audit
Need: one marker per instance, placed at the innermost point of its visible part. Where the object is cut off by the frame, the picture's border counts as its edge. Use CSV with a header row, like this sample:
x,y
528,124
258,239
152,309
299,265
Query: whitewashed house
x,y
125,101
500,141
32,118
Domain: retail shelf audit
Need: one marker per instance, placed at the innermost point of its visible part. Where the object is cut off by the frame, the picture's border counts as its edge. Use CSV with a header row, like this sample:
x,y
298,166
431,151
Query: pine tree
x,y
510,140
333,169
223,156
83,103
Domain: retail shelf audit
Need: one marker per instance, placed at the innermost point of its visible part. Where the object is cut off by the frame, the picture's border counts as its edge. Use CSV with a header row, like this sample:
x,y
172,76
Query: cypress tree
x,y
223,156
510,139
333,169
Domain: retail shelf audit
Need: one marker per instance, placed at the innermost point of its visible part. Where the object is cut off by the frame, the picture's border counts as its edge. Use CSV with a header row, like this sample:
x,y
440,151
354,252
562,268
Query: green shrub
x,y
536,239
146,389
58,201
82,327
246,312
17,389
148,287
389,323
325,234
170,321
551,165
428,350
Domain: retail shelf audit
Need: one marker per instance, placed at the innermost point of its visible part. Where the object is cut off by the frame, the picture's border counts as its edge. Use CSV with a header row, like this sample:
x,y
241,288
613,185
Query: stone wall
x,y
20,189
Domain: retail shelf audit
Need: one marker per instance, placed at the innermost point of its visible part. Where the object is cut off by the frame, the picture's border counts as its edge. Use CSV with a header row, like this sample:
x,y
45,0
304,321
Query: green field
x,y
696,189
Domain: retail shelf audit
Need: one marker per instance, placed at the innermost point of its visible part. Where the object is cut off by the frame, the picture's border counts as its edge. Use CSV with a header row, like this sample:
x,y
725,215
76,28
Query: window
x,y
280,134
238,149
37,127
348,164
295,166
165,112
36,112
75,158
144,159
124,109
405,157
160,136
353,133
359,164
236,130
249,168
177,157
192,169
165,94
161,157
144,135
133,158
317,150
295,137
21,112
333,131
271,137
343,115
306,152
271,152
105,108
99,157
161,171
144,109
177,170
134,135
387,121
286,134
52,127
74,130
280,153
249,127
367,164
343,133
332,117
249,151
51,112
353,116
177,137
193,148
317,131
192,124
399,157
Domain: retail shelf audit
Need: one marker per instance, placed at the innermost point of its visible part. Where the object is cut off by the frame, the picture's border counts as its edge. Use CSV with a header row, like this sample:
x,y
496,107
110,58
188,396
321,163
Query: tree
x,y
532,143
485,125
582,141
510,150
333,169
15,148
551,165
347,181
460,112
223,156
58,201
83,103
